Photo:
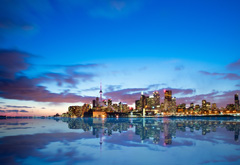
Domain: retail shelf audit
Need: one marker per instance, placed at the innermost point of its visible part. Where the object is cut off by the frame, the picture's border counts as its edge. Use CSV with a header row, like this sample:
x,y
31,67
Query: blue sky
x,y
55,53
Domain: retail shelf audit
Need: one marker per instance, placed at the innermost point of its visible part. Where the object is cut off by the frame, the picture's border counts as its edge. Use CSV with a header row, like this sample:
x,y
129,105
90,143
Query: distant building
x,y
167,100
143,100
168,95
137,105
94,103
204,105
109,102
156,96
214,106
236,99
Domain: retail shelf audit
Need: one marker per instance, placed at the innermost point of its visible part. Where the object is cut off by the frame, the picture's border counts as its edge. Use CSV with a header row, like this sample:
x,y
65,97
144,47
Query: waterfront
x,y
116,141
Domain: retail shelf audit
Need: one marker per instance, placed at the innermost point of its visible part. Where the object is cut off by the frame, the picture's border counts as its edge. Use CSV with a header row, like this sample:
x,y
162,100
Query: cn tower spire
x,y
100,92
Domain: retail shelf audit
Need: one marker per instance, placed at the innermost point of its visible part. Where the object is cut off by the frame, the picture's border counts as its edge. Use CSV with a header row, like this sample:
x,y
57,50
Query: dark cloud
x,y
14,106
15,85
24,111
234,65
229,76
71,78
2,111
12,110
76,66
24,88
12,62
14,128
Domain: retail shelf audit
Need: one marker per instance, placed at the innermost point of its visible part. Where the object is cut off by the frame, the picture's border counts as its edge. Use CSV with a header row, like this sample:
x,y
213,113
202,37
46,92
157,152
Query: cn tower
x,y
100,92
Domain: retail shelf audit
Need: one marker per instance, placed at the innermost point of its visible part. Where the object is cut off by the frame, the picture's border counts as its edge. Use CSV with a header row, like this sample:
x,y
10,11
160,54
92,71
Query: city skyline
x,y
55,54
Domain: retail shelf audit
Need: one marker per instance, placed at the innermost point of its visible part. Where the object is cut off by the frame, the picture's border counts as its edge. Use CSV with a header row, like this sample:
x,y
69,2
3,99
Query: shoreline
x,y
171,117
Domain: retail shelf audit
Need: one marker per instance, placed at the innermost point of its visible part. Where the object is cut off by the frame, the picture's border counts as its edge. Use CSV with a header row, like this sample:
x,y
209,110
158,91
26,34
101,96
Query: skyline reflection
x,y
152,128
118,141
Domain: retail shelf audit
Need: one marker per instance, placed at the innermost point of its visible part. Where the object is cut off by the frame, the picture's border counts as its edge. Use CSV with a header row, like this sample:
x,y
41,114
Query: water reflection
x,y
152,128
120,141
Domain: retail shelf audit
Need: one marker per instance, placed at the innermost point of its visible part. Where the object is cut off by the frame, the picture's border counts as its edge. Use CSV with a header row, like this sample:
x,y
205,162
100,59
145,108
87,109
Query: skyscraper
x,y
167,100
156,96
236,102
204,104
109,102
168,95
143,100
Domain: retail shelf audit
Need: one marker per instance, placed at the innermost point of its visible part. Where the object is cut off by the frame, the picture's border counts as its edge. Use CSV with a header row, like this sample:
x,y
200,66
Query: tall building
x,y
214,106
104,102
236,102
137,105
143,100
156,96
94,103
168,95
109,102
150,102
204,105
167,100
97,101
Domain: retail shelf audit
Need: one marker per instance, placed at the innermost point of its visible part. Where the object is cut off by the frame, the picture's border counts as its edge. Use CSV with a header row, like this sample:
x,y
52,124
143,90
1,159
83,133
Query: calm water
x,y
122,141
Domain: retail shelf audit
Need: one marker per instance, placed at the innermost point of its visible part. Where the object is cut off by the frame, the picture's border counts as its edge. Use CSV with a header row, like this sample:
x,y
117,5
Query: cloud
x,y
14,84
24,111
229,76
14,106
110,88
234,65
182,91
178,68
211,74
24,88
2,111
128,95
12,62
72,78
16,111
76,66
12,111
